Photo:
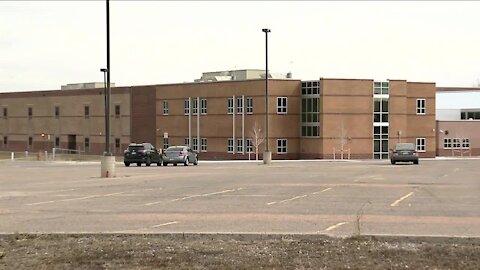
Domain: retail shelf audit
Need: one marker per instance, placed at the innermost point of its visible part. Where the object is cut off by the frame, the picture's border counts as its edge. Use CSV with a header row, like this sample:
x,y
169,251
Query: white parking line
x,y
318,192
76,199
207,194
195,196
299,197
164,224
395,203
334,226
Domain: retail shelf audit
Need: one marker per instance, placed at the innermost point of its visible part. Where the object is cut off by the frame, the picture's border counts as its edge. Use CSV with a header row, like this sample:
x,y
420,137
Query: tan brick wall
x,y
347,103
18,126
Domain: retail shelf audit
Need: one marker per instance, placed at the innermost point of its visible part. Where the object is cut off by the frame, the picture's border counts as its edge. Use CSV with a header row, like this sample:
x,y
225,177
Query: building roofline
x,y
231,81
458,89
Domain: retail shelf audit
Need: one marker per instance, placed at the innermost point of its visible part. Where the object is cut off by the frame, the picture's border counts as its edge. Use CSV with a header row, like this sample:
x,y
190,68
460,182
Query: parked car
x,y
142,153
179,154
404,152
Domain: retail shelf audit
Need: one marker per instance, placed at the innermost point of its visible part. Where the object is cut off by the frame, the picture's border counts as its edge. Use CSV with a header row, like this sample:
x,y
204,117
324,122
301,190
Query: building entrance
x,y
72,142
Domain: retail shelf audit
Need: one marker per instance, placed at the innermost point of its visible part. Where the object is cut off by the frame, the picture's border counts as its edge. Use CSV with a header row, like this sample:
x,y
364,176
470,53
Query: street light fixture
x,y
267,155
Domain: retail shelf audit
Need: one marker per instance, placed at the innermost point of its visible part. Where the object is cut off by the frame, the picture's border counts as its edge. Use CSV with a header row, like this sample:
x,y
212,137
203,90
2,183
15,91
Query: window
x,y
249,145
447,143
87,144
470,115
380,110
5,140
311,88
30,141
117,143
420,142
456,143
30,112
203,106
239,104
117,111
86,111
187,142
380,142
230,105
380,88
421,106
230,145
281,105
165,143
204,144
194,106
249,105
281,146
165,107
57,141
239,146
5,112
187,106
57,112
310,131
195,144
310,117
466,143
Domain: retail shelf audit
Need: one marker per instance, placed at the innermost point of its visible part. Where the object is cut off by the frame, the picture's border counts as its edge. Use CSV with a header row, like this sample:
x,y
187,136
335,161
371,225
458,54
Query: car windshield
x,y
136,148
175,149
405,146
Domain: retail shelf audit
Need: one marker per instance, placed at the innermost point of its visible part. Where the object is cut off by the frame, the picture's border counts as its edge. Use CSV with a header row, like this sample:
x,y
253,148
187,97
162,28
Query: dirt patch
x,y
208,251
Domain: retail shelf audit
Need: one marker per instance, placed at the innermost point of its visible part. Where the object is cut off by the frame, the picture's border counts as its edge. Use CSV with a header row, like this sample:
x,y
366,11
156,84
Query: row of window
x,y
456,143
249,146
57,142
470,115
57,111
281,146
239,105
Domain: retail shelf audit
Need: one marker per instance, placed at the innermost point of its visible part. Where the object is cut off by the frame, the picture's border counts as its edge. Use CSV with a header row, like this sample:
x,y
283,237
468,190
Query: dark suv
x,y
142,153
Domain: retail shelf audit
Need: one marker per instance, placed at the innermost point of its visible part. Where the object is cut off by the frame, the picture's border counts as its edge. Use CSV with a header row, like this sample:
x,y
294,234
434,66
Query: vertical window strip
x,y
204,144
165,107
203,106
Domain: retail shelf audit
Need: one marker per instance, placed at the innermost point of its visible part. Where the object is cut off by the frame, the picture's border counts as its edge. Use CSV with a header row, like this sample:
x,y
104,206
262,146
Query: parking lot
x,y
437,197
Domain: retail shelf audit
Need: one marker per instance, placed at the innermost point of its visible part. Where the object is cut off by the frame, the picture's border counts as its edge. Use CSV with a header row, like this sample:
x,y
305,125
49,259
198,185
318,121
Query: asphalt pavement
x,y
341,198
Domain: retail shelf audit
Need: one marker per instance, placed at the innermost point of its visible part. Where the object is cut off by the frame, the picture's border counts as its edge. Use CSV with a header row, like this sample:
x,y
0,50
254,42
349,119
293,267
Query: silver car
x,y
179,154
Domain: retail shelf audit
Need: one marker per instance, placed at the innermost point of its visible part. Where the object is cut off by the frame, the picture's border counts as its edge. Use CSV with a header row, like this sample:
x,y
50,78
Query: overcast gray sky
x,y
46,44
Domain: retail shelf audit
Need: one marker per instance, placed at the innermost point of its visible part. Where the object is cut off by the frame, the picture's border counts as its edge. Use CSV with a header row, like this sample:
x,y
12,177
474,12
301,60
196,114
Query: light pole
x,y
108,160
267,155
104,70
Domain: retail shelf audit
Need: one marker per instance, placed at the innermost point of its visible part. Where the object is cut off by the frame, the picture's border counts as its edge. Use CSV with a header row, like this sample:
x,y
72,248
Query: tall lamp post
x,y
267,155
107,119
108,160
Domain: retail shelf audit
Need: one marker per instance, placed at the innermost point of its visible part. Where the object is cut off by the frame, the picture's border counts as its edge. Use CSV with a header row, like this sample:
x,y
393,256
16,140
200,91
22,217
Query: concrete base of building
x,y
267,157
107,167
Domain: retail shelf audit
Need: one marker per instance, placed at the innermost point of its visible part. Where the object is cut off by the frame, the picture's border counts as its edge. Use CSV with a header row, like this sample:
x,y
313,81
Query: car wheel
x,y
165,163
174,164
186,162
139,164
415,162
127,164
